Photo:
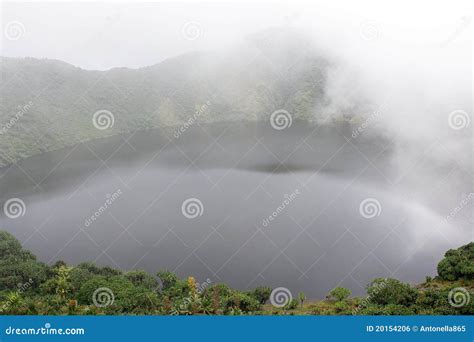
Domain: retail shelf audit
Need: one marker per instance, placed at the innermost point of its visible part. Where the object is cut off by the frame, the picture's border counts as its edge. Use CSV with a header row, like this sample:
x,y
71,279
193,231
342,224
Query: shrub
x,y
292,304
168,279
458,263
342,308
261,294
301,298
391,309
143,279
243,302
339,293
391,291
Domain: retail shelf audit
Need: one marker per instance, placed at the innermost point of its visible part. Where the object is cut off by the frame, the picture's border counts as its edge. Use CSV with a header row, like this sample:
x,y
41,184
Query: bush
x,y
391,309
104,271
391,291
261,294
18,266
458,263
143,279
79,276
339,294
168,279
342,308
292,304
243,302
126,297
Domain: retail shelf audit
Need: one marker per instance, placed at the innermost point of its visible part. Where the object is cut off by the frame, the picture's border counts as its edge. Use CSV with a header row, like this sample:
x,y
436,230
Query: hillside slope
x,y
49,104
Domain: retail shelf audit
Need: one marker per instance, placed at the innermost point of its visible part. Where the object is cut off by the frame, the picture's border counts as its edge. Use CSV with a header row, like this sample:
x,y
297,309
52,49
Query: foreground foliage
x,y
29,287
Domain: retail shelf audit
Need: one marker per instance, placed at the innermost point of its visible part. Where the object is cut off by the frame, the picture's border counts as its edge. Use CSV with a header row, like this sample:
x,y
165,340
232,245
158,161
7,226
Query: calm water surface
x,y
242,174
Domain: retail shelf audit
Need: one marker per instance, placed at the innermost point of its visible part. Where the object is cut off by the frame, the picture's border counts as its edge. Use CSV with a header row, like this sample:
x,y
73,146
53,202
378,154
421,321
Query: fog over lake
x,y
342,210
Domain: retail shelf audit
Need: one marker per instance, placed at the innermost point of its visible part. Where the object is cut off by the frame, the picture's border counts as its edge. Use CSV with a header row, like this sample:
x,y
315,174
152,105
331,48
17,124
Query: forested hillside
x,y
49,104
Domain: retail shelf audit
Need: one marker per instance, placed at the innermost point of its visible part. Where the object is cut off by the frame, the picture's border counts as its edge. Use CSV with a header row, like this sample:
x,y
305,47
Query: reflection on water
x,y
241,174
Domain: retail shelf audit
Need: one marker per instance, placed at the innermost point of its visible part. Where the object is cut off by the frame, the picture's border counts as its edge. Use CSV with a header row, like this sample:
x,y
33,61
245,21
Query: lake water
x,y
343,212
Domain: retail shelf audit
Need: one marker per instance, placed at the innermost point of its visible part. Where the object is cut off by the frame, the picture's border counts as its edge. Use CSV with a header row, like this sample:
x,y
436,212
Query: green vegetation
x,y
457,263
49,104
29,287
339,293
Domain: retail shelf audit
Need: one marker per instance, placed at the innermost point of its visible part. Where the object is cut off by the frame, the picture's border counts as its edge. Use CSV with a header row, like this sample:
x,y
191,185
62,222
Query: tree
x,y
242,301
60,284
302,298
104,271
385,291
18,266
142,278
262,294
458,263
339,293
168,279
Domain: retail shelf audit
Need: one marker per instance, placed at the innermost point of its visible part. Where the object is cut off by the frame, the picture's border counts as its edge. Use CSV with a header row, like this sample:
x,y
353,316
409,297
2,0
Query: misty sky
x,y
127,34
